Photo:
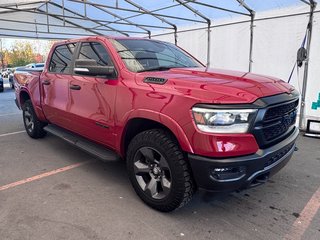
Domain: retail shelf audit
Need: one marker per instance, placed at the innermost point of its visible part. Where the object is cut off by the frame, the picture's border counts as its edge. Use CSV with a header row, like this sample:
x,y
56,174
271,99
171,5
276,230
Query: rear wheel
x,y
158,170
33,126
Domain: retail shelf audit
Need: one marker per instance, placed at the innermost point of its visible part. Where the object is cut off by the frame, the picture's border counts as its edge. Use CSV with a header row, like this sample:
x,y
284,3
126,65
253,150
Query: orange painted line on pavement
x,y
43,175
303,221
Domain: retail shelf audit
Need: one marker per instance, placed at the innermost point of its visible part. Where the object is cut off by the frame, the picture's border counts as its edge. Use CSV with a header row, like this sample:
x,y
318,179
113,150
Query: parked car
x,y
1,84
5,73
179,125
11,80
1,71
35,65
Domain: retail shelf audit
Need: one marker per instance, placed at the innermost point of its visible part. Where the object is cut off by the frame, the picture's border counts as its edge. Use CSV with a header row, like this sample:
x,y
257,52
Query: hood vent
x,y
155,80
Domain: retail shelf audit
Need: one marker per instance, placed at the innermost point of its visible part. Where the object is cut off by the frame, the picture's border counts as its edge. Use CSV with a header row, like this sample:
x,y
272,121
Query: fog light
x,y
228,173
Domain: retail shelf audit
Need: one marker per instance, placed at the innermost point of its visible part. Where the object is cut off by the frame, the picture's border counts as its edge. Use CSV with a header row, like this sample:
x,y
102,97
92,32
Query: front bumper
x,y
242,172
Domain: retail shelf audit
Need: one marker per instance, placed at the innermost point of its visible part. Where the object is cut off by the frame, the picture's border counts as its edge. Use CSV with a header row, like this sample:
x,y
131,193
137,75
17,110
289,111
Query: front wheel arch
x,y
144,120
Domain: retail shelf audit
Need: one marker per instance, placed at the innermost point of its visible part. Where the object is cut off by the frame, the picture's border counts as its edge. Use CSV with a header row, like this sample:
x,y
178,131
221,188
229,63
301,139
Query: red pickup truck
x,y
179,125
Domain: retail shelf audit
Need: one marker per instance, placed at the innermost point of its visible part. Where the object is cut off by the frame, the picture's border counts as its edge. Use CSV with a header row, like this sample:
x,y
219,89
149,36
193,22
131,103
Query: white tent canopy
x,y
62,19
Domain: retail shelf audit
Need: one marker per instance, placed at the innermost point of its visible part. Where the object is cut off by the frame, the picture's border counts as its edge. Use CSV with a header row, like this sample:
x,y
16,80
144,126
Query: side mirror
x,y
90,67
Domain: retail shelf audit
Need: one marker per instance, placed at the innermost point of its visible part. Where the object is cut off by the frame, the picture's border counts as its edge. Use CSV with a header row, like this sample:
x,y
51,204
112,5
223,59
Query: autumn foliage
x,y
22,53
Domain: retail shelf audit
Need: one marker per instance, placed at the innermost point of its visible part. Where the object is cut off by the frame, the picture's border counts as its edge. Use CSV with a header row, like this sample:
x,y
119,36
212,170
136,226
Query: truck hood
x,y
220,86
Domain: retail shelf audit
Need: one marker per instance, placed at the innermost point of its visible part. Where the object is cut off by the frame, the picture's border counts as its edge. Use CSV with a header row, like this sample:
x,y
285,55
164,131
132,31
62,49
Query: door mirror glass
x,y
90,67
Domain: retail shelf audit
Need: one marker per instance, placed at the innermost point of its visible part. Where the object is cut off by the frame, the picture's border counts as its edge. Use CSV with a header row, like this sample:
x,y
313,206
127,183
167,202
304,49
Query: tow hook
x,y
296,148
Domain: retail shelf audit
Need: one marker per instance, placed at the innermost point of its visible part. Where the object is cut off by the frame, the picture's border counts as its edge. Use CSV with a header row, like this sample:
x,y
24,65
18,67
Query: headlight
x,y
223,121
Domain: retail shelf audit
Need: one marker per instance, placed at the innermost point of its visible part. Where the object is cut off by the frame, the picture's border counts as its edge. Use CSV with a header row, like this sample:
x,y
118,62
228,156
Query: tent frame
x,y
312,5
69,19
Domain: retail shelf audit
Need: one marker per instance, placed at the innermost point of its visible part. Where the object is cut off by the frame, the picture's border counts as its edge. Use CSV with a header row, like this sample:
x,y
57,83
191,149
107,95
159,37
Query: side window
x,y
61,58
95,51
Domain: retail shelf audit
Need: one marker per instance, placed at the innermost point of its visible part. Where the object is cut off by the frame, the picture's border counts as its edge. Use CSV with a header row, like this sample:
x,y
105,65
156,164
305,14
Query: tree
x,y
21,54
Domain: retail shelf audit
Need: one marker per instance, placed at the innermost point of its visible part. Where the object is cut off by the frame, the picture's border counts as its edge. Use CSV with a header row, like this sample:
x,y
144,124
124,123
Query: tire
x,y
158,171
1,89
33,126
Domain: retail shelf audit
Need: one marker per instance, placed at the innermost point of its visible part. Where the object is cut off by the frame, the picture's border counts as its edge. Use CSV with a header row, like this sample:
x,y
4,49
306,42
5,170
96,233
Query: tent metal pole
x,y
153,11
208,22
102,21
86,18
158,17
70,22
251,41
216,7
122,19
22,3
12,10
47,12
138,11
304,1
54,25
36,26
252,16
313,5
31,37
36,11
42,32
175,35
63,13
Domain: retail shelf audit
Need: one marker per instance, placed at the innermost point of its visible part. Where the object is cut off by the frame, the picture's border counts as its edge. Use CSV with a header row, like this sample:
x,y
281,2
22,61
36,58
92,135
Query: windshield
x,y
141,55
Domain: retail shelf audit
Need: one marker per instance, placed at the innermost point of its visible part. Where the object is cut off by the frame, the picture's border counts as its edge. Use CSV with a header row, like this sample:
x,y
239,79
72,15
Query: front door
x,y
92,98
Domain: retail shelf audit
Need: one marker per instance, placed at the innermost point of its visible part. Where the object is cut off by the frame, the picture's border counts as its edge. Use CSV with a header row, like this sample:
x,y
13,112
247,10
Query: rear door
x,y
92,98
55,85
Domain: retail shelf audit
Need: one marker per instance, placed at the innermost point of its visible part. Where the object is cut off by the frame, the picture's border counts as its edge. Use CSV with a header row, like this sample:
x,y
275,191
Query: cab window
x,y
61,59
95,51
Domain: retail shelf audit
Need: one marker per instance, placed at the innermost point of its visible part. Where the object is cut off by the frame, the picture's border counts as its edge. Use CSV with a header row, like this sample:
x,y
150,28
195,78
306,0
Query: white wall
x,y
276,42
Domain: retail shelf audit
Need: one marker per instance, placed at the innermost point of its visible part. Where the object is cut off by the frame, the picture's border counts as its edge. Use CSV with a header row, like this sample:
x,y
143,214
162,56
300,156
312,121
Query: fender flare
x,y
21,91
38,109
161,118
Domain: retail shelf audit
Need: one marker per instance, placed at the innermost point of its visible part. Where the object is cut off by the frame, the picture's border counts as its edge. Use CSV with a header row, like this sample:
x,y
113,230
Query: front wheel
x,y
33,126
158,170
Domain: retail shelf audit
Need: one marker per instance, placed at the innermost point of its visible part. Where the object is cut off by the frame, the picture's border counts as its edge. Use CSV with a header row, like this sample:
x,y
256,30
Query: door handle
x,y
46,82
75,87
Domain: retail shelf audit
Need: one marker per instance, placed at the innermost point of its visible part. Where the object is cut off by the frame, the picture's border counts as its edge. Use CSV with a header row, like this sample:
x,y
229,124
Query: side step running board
x,y
95,149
